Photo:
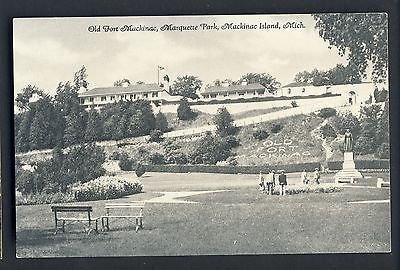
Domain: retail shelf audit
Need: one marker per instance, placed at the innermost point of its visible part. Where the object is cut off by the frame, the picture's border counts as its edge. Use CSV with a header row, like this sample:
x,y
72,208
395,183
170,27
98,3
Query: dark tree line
x,y
340,74
60,121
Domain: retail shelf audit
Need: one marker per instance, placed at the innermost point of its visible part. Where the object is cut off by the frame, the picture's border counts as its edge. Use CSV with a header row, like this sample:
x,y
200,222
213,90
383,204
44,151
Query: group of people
x,y
273,179
315,177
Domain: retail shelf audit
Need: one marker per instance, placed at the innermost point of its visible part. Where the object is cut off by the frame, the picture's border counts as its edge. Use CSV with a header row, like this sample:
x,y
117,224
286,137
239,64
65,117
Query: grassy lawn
x,y
239,221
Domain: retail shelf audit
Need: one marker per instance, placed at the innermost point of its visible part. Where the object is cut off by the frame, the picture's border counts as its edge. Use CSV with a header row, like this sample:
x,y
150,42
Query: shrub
x,y
347,120
250,169
276,128
125,163
380,95
374,164
115,155
260,134
157,159
232,161
161,122
231,142
364,145
140,170
105,188
328,131
303,188
326,112
156,136
184,112
43,198
383,151
25,182
224,122
294,104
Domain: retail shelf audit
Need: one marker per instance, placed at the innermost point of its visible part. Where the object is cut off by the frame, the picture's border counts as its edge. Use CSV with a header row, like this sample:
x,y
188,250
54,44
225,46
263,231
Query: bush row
x,y
42,198
362,164
232,169
258,99
105,188
303,188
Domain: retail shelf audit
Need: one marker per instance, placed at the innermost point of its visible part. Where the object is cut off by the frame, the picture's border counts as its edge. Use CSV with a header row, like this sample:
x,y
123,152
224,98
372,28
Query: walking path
x,y
172,197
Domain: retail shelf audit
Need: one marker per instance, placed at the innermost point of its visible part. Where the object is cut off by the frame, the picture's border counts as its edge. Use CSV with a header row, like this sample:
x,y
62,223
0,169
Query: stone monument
x,y
349,171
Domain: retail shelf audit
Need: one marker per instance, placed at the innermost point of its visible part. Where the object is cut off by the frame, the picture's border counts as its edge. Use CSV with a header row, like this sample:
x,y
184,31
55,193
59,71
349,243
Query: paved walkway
x,y
172,197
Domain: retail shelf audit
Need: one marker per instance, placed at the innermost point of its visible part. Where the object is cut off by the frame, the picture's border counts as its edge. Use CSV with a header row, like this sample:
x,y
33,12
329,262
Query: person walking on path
x,y
282,182
316,176
269,182
261,182
304,179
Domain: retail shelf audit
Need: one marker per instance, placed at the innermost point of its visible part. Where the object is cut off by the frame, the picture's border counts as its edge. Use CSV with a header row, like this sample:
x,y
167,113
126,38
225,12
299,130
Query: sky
x,y
50,50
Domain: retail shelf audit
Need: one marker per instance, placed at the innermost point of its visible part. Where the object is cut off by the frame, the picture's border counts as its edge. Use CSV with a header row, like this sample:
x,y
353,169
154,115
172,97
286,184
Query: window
x,y
103,98
131,97
303,90
145,95
154,94
112,98
81,101
226,94
289,91
134,96
91,99
213,95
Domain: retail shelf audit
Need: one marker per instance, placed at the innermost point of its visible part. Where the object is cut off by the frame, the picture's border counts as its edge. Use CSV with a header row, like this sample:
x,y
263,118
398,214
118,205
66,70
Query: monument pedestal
x,y
349,171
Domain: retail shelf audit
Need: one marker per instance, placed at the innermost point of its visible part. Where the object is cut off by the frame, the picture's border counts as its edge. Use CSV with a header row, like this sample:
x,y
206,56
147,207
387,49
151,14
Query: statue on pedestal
x,y
348,141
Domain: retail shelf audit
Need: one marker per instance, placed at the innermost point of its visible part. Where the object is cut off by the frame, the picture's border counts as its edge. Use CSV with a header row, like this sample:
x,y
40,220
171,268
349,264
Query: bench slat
x,y
113,216
71,208
77,219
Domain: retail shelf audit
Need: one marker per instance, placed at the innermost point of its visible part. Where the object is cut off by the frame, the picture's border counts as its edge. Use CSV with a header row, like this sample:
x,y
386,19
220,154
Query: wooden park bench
x,y
73,214
131,210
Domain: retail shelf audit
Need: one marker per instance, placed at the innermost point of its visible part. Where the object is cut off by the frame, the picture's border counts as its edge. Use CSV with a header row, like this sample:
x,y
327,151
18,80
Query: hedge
x,y
232,169
245,100
362,164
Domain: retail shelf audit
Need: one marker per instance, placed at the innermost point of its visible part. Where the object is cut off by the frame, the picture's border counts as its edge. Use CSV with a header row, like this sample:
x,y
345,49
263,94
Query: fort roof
x,y
131,89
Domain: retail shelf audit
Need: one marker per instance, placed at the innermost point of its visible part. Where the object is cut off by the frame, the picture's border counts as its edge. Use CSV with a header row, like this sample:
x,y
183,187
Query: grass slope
x,y
293,144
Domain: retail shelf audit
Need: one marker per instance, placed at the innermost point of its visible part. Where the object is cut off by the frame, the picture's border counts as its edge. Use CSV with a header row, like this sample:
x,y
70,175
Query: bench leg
x,y
63,226
137,224
141,223
107,224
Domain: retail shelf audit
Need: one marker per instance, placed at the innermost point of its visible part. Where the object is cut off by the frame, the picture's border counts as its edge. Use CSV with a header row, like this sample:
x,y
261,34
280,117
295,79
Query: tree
x,y
186,86
211,149
122,82
360,36
339,74
43,130
266,80
22,138
94,127
75,127
66,97
161,122
224,122
346,120
80,79
384,124
26,94
184,112
369,139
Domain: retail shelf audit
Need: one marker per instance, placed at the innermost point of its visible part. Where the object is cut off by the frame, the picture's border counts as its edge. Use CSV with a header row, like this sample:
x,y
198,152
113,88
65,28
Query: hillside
x,y
294,143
